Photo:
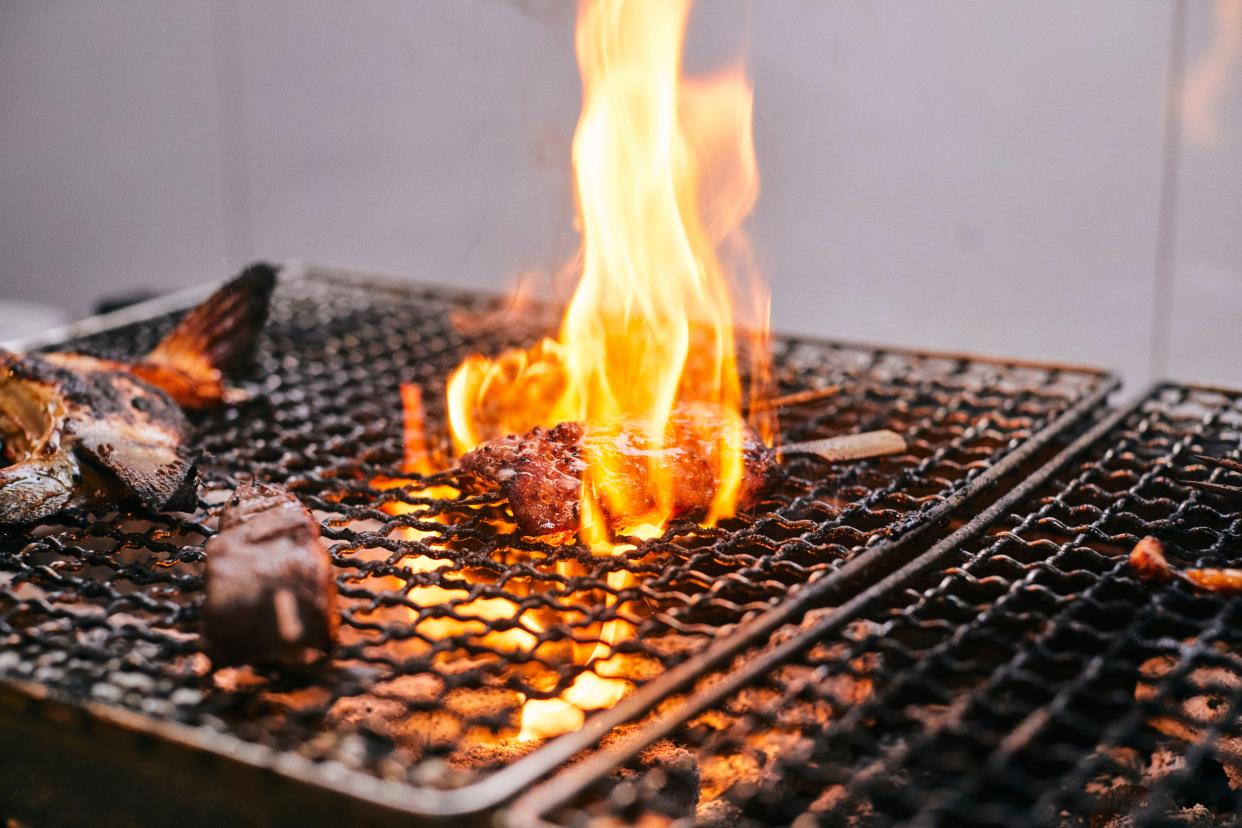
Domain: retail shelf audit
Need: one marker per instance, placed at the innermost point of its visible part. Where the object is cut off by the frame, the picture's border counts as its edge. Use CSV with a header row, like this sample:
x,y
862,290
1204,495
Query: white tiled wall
x,y
960,174
975,175
1205,313
110,157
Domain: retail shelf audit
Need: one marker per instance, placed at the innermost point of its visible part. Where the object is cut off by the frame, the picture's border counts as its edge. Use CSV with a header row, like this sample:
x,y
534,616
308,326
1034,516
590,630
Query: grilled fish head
x,y
37,478
79,431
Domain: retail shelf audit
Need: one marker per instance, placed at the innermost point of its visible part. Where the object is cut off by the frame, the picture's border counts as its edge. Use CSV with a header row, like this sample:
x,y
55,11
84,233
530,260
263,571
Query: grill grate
x,y
1030,679
449,621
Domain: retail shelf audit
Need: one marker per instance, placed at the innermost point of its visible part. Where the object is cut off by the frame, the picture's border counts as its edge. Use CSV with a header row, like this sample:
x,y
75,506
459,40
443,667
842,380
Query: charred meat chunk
x,y
271,598
540,472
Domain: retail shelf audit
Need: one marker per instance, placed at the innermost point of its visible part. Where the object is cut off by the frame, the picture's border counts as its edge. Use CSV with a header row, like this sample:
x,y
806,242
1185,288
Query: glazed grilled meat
x,y
540,472
270,598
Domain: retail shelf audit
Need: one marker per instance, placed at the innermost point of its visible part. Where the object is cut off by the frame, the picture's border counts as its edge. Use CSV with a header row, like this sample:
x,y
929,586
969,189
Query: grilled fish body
x,y
85,432
76,431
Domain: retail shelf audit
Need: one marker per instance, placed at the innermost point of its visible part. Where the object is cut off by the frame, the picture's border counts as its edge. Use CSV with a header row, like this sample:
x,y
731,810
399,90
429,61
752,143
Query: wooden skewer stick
x,y
1219,488
848,446
1223,462
796,398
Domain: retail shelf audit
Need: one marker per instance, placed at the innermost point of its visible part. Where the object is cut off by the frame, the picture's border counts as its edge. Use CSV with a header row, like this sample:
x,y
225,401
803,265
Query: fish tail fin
x,y
222,330
213,339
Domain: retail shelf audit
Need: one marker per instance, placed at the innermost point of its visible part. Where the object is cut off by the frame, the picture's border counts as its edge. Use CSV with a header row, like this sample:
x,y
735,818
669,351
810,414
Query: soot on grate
x,y
451,622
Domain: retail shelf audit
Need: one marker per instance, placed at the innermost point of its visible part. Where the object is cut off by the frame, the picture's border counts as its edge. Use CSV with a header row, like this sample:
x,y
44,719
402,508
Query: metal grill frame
x,y
536,809
35,722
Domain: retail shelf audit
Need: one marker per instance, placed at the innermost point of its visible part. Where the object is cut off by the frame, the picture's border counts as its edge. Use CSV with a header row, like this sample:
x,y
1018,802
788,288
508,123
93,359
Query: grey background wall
x,y
965,174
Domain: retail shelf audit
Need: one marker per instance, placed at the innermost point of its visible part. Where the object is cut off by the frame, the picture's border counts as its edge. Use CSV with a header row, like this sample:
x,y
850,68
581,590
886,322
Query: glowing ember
x,y
417,459
471,616
665,173
594,689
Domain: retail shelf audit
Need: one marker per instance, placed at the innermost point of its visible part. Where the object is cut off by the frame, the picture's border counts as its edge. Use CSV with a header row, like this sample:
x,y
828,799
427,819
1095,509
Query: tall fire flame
x,y
665,173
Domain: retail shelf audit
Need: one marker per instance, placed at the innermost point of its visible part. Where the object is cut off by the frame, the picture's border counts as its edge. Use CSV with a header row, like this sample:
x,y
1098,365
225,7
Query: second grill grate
x,y
1031,678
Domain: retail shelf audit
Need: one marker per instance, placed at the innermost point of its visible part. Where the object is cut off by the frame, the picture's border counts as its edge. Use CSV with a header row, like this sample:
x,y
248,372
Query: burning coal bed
x,y
453,625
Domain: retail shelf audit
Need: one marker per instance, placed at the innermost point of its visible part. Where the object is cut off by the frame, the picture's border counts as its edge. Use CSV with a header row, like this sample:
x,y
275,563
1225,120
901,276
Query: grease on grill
x,y
1039,679
449,620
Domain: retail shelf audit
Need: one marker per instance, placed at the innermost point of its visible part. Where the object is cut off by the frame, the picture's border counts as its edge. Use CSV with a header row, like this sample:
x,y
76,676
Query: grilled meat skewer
x,y
78,431
270,598
540,472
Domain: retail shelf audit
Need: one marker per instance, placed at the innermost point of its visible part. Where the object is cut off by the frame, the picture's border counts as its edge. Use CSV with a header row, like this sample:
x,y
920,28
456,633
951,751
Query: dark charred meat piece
x,y
1149,563
540,472
271,598
78,431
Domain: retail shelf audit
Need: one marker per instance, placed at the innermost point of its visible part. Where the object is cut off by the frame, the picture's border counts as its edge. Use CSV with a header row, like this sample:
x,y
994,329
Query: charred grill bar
x,y
1031,677
449,621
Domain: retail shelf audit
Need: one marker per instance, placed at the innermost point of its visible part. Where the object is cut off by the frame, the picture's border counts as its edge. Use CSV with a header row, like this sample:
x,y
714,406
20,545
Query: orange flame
x,y
665,174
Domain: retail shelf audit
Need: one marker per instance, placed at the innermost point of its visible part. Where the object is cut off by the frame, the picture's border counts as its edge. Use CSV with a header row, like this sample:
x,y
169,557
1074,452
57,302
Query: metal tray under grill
x,y
1019,673
108,710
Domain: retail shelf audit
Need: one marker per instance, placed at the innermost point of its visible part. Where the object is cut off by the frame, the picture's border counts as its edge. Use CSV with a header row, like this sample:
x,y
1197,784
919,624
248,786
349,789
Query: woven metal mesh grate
x,y
450,622
1033,680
